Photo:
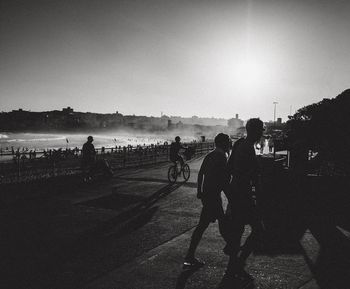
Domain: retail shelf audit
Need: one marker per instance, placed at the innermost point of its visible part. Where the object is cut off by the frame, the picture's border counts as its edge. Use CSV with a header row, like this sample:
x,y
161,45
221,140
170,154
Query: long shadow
x,y
190,185
280,207
332,266
183,277
125,223
129,219
184,183
33,257
326,206
288,212
144,179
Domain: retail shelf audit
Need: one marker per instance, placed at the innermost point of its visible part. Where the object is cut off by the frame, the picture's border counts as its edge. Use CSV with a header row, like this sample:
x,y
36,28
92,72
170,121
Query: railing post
x,y
167,152
53,168
18,167
124,158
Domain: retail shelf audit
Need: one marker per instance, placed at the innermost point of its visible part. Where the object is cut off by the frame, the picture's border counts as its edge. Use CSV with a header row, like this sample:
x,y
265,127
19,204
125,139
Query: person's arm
x,y
223,176
200,180
247,165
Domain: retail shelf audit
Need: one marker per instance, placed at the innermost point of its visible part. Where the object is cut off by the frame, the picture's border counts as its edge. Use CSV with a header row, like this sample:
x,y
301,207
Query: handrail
x,y
68,162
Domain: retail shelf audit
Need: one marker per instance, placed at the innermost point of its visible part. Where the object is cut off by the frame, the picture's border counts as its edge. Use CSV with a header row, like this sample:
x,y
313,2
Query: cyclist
x,y
175,147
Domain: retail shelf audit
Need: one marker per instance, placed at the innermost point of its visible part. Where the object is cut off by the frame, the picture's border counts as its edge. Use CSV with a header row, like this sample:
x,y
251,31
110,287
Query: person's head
x,y
177,139
90,138
222,141
255,128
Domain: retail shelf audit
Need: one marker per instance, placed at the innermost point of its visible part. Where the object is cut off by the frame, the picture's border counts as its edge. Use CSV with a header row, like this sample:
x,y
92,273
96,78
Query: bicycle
x,y
174,171
99,167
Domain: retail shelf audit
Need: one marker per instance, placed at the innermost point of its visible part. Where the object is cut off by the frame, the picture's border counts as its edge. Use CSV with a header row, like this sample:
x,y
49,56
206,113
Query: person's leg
x,y
233,247
197,235
254,237
93,168
181,161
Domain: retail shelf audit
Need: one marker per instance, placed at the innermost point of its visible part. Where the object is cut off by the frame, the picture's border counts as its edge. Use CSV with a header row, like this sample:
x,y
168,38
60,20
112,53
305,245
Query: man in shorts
x,y
212,180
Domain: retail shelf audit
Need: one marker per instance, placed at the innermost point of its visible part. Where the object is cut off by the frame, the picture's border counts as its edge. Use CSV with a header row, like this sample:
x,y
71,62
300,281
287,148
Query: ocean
x,y
41,141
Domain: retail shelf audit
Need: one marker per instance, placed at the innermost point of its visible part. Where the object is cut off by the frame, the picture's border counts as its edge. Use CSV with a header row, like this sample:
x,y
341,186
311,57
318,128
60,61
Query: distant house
x,y
68,110
234,124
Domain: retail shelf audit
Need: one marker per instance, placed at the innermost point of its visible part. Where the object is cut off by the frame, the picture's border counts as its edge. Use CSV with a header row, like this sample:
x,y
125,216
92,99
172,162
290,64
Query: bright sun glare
x,y
248,74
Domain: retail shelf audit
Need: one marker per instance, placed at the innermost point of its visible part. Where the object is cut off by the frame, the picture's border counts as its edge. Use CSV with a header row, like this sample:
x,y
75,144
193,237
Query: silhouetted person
x,y
262,144
212,180
271,144
299,156
88,158
244,169
175,148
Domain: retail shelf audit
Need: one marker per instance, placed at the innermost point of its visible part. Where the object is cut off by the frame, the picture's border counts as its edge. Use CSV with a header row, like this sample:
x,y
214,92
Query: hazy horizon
x,y
98,112
179,58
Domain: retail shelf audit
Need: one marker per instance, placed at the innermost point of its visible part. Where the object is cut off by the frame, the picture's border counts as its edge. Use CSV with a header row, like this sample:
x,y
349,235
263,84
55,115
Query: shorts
x,y
211,213
176,158
244,211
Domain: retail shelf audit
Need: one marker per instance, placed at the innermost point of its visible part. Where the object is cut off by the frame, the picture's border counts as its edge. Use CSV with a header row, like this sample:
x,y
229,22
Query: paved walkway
x,y
133,231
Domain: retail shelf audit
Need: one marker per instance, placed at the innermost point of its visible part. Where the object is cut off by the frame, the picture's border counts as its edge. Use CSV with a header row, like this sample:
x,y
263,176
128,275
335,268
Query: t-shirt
x,y
174,149
243,162
213,176
244,168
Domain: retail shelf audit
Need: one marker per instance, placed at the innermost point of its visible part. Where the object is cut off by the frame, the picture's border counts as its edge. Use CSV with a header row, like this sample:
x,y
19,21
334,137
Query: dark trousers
x,y
239,218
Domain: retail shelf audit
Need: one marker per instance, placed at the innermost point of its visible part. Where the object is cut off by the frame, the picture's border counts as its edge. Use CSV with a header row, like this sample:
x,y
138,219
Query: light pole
x,y
274,112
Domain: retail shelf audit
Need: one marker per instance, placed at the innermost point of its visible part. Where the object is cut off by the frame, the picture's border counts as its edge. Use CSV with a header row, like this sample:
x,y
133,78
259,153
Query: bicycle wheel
x,y
172,174
186,172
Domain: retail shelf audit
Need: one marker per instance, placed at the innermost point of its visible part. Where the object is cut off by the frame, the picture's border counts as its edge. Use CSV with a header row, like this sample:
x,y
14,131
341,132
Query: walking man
x,y
212,180
244,186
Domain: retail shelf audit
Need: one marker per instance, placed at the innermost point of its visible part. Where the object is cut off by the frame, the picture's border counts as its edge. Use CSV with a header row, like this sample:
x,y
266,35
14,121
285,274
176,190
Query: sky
x,y
185,58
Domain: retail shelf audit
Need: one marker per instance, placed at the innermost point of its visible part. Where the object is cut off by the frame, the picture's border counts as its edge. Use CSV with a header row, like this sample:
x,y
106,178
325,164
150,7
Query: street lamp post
x,y
274,112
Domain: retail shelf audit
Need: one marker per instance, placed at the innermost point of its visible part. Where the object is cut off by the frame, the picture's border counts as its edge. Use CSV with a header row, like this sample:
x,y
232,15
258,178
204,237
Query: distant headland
x,y
69,120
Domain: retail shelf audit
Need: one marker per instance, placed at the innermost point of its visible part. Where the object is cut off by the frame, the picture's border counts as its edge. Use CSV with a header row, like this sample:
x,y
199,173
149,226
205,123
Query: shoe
x,y
227,250
229,281
244,275
192,263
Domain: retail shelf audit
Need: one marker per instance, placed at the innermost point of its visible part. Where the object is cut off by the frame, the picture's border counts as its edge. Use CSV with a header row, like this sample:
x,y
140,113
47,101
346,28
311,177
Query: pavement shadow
x,y
156,180
328,206
30,258
318,205
332,266
226,283
184,276
134,217
280,207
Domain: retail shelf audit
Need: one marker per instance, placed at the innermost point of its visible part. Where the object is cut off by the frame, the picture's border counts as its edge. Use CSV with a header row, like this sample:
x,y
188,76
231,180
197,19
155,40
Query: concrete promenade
x,y
133,231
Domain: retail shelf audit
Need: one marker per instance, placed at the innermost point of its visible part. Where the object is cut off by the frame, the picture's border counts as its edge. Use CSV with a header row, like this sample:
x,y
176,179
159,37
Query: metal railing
x,y
64,162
